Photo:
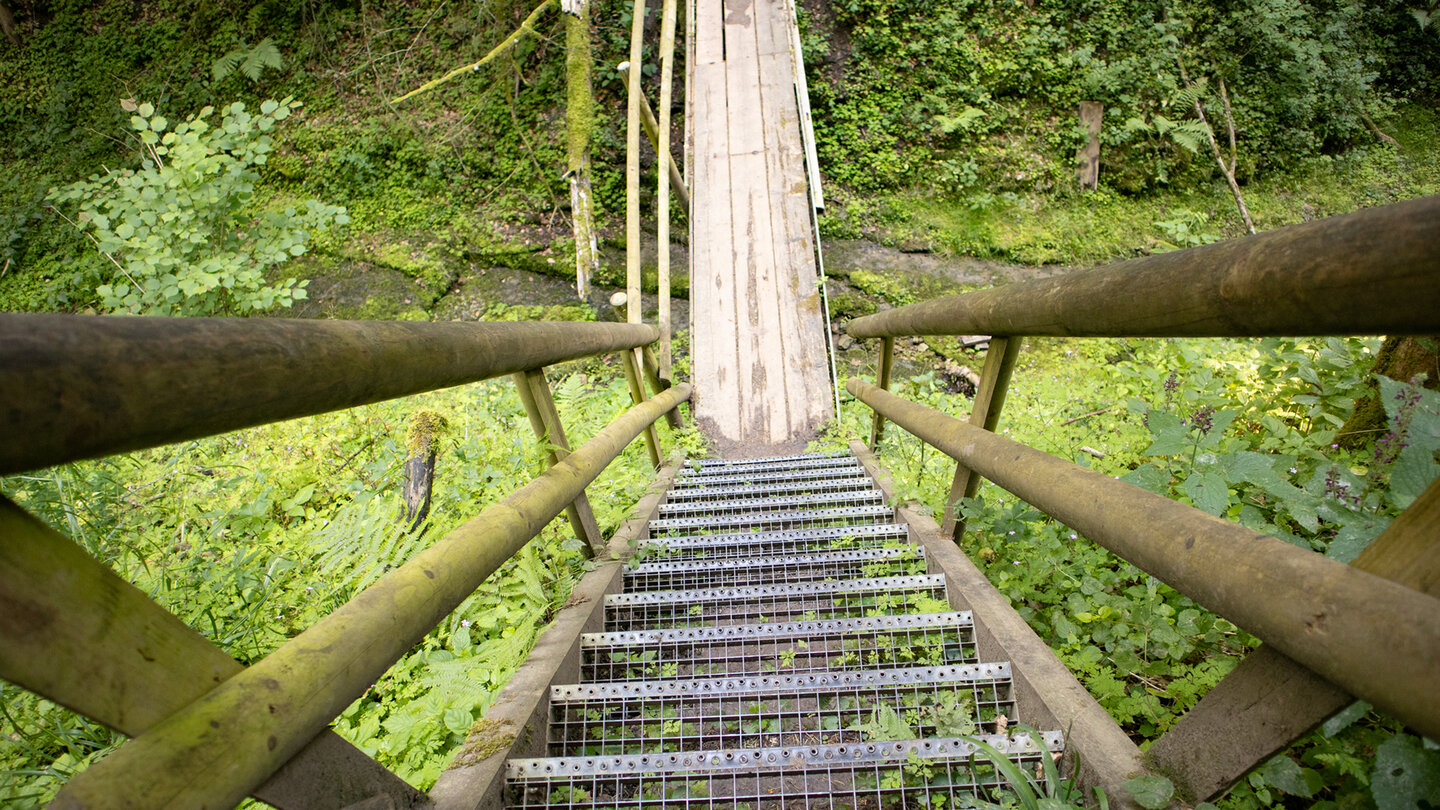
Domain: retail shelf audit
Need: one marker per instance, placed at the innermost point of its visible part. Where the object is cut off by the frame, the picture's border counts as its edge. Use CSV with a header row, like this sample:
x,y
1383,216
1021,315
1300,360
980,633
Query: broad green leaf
x,y
1405,774
1150,791
1285,774
1208,492
1344,718
146,110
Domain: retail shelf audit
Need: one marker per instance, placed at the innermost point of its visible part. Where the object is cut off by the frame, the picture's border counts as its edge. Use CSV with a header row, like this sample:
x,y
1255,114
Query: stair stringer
x,y
1047,695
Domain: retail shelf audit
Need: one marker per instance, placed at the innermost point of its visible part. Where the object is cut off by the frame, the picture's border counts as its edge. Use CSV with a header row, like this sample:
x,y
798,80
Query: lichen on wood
x,y
485,739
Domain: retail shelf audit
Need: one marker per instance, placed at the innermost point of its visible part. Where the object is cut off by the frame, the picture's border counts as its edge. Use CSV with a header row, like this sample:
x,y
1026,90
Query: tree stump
x,y
1400,358
423,447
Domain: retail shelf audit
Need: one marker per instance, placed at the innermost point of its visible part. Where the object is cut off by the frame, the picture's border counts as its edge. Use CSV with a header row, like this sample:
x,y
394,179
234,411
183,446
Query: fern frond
x,y
226,64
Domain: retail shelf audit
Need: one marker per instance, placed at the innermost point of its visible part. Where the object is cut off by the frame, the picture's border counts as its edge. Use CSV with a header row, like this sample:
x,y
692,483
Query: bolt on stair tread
x,y
774,503
840,515
849,483
768,476
738,545
784,601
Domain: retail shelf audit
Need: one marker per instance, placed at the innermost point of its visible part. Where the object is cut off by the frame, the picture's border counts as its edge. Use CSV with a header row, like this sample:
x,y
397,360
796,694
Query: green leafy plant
x,y
183,232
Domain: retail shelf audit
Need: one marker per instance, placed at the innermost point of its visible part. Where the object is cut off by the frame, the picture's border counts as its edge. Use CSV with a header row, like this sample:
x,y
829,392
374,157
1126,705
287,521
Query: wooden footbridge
x,y
792,636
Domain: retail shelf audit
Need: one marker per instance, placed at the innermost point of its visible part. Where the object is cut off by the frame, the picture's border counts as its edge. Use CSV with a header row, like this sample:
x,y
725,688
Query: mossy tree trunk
x,y
7,24
579,122
1399,358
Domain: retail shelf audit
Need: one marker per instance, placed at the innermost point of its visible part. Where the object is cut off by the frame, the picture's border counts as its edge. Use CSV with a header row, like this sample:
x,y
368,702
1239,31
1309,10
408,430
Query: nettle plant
x,y
184,232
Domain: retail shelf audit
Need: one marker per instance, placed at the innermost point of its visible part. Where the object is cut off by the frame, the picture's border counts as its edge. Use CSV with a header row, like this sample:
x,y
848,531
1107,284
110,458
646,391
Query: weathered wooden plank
x,y
75,632
796,255
762,399
713,312
1269,701
545,420
777,102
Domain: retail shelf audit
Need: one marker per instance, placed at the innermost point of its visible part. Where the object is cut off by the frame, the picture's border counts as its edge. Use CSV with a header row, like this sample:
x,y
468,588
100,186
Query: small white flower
x,y
1073,536
1012,532
1017,562
464,622
1293,471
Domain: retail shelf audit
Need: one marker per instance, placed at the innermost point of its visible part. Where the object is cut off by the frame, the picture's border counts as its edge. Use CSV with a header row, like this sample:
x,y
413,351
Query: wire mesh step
x,y
775,710
768,476
753,467
787,601
875,642
783,503
902,773
780,489
664,575
778,461
681,548
772,521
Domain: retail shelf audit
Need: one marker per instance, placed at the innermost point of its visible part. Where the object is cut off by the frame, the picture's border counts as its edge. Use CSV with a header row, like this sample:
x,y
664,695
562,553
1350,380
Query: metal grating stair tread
x,y
775,613
762,521
787,541
899,773
770,476
748,571
785,504
785,601
845,483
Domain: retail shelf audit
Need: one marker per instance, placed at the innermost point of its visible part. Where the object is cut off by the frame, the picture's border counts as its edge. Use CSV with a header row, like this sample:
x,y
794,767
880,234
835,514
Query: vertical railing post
x,y
632,167
545,419
637,393
662,151
659,383
882,379
985,413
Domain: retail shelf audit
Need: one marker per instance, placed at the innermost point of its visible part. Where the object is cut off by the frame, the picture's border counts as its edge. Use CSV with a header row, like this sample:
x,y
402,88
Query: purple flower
x,y
1203,419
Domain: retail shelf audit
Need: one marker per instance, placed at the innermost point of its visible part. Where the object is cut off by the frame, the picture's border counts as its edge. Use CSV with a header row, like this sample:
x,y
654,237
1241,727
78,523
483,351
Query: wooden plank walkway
x,y
757,328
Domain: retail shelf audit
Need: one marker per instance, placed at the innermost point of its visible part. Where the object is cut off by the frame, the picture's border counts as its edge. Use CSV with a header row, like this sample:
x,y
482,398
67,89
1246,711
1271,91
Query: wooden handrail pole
x,y
882,379
637,394
1331,618
84,386
634,100
213,751
1279,700
545,419
1373,272
984,413
652,131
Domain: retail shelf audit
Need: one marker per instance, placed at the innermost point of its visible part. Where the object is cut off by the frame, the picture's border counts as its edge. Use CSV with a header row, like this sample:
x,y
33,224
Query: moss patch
x,y
486,739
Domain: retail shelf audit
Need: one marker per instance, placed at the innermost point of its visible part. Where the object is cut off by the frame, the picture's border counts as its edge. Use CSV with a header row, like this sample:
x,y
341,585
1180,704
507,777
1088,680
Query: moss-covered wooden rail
x,y
209,732
1325,625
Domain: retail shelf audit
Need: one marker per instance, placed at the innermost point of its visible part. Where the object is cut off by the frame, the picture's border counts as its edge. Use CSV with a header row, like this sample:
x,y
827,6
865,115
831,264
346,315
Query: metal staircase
x,y
778,644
